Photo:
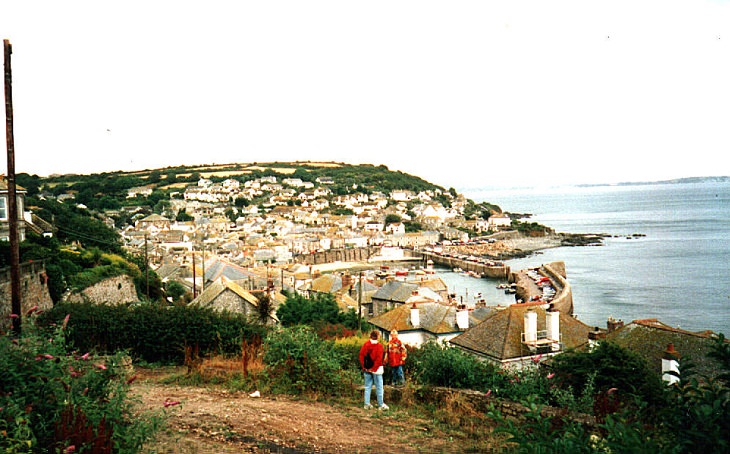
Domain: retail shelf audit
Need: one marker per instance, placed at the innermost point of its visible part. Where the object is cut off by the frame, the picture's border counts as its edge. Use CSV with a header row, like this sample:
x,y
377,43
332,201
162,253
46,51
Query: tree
x,y
300,310
175,290
183,216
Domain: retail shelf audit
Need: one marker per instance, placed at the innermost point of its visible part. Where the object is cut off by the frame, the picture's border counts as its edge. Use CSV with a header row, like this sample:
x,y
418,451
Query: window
x,y
4,207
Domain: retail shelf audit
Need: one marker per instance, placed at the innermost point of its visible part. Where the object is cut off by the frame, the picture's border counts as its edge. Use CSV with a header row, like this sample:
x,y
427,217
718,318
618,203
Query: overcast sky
x,y
462,93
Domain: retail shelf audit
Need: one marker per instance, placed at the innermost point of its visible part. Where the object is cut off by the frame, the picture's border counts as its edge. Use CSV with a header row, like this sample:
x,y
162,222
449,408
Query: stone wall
x,y
33,291
337,255
114,290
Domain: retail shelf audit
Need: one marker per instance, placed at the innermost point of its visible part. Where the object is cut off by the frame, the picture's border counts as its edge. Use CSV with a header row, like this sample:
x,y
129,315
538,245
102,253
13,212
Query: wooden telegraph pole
x,y
12,200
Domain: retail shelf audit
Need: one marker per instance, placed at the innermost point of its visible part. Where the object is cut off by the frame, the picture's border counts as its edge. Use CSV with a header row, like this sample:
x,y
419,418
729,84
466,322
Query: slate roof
x,y
327,283
436,284
212,291
221,268
650,337
170,270
435,318
395,291
500,336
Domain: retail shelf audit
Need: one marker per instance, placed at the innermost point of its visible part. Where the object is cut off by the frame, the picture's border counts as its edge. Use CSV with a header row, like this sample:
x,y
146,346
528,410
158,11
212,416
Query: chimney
x,y
670,363
462,318
613,324
595,337
530,327
552,322
415,316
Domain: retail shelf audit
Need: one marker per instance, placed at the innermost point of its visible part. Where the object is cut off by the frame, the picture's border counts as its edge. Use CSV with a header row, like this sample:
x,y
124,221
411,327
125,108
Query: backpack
x,y
368,362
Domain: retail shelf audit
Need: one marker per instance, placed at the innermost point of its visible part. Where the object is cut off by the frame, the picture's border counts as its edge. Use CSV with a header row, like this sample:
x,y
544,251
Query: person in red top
x,y
395,355
373,374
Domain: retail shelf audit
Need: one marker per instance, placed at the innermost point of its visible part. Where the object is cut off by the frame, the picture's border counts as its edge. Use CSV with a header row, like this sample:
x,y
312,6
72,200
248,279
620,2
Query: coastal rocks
x,y
582,239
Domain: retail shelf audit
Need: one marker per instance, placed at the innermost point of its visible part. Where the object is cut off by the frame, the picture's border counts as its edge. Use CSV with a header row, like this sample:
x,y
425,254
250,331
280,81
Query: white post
x,y
670,363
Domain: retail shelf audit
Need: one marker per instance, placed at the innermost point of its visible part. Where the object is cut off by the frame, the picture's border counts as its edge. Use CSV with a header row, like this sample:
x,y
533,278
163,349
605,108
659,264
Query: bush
x,y
438,365
52,399
297,361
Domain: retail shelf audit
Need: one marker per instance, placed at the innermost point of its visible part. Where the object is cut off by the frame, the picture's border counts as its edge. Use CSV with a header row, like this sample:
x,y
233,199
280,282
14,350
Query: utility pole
x,y
146,268
203,265
195,293
359,305
12,200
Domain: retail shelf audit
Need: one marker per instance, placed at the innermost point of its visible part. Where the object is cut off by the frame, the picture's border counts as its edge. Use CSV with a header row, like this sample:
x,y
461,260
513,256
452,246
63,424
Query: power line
x,y
86,236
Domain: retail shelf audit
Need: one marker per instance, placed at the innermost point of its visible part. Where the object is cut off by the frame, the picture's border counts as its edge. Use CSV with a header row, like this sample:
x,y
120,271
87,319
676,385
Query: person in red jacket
x,y
395,356
374,373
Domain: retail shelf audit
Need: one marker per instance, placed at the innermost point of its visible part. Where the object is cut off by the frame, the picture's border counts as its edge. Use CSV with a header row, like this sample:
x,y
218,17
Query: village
x,y
228,253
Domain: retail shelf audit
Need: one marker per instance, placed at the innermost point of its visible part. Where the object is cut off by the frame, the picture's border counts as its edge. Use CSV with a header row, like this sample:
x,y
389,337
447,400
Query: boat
x,y
401,272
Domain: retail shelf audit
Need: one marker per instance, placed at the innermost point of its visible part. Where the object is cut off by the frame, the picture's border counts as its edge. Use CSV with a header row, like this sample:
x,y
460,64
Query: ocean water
x,y
678,272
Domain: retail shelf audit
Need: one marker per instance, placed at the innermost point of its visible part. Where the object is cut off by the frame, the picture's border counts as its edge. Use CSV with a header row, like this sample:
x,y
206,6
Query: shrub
x,y
52,399
439,365
297,361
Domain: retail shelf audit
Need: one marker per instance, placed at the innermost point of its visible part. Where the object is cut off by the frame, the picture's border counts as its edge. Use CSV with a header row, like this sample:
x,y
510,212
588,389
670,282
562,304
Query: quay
x,y
480,266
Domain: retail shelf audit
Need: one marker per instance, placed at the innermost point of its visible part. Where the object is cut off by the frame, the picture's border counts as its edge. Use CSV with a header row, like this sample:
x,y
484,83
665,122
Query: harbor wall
x,y
555,271
492,272
339,255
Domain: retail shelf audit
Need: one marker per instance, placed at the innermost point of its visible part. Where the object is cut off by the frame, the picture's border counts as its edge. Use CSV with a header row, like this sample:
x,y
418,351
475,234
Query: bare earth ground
x,y
218,421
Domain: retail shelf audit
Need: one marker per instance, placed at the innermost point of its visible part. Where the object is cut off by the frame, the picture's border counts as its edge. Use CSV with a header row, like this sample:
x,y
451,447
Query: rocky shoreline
x,y
513,245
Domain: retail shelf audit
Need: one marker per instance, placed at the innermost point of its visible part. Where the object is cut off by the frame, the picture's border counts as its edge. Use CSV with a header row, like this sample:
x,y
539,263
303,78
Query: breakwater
x,y
492,270
529,290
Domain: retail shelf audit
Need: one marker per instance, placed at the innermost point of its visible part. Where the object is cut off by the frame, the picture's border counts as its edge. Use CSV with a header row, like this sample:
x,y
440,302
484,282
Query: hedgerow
x,y
153,333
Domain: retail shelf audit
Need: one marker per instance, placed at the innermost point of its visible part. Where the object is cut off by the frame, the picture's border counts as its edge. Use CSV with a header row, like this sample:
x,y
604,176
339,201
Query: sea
x,y
667,257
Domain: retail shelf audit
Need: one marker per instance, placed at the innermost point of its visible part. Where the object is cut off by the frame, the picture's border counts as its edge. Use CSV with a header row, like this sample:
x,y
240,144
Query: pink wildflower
x,y
32,309
70,449
85,356
47,356
612,390
489,392
65,321
100,366
550,375
13,315
536,359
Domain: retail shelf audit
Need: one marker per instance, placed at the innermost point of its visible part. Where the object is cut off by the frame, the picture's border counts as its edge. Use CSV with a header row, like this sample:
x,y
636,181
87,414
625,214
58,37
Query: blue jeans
x,y
369,379
398,378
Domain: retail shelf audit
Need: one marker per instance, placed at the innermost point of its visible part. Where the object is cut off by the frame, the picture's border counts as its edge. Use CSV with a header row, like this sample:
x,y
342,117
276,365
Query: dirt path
x,y
217,421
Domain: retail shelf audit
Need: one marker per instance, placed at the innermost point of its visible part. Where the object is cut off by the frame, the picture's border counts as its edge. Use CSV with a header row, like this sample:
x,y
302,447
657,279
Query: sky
x,y
465,94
